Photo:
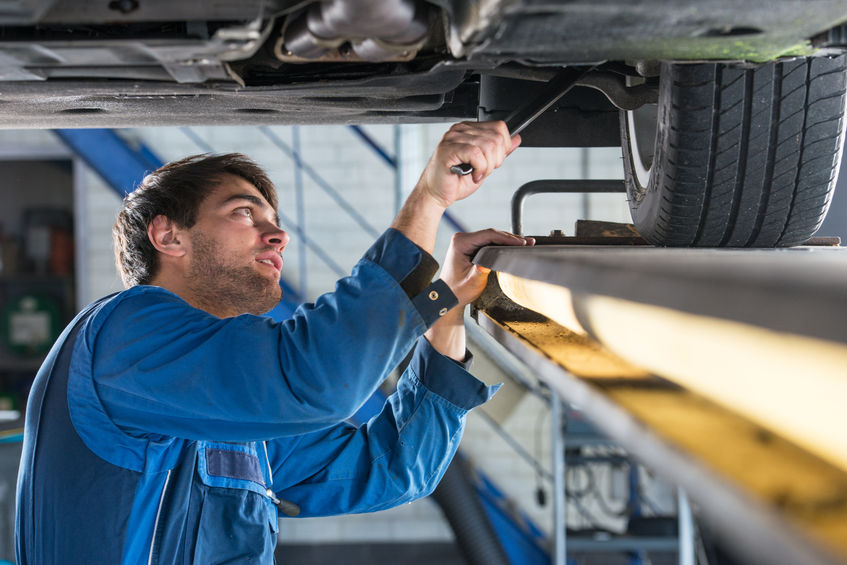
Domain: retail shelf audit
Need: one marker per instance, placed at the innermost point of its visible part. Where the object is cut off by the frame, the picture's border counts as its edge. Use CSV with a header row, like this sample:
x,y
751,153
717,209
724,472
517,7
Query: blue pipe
x,y
372,143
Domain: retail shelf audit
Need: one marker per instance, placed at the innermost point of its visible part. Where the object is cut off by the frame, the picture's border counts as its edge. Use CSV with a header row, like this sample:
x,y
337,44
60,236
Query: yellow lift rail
x,y
723,370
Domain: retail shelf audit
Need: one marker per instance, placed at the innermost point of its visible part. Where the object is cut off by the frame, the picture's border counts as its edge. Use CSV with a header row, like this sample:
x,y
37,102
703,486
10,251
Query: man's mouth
x,y
273,260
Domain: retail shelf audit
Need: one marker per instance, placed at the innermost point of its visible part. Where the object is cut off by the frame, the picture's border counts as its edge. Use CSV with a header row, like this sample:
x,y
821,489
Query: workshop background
x,y
339,187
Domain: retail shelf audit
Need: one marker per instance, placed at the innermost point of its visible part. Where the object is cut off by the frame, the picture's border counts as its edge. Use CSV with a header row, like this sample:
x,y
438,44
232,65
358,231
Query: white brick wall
x,y
418,521
100,205
30,142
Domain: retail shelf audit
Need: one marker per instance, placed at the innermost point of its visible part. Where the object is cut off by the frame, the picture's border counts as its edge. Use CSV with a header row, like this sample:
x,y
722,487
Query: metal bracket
x,y
558,186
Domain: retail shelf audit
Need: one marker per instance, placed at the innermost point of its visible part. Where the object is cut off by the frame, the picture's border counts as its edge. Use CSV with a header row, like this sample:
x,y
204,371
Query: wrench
x,y
524,115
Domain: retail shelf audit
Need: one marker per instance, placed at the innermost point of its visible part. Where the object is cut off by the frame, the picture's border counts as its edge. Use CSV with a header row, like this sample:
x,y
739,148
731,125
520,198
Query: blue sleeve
x,y
161,367
400,455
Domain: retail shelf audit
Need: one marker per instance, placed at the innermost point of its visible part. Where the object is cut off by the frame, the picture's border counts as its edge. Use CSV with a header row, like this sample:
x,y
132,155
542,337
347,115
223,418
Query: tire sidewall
x,y
644,201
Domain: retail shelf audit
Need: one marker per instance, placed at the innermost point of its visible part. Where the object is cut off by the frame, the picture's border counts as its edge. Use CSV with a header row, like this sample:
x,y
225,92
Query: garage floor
x,y
368,554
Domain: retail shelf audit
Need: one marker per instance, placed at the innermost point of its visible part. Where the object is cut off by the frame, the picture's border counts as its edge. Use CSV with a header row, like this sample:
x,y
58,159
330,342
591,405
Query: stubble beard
x,y
220,285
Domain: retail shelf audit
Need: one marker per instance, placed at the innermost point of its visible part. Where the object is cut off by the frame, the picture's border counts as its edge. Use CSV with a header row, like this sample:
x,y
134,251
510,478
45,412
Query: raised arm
x,y
484,145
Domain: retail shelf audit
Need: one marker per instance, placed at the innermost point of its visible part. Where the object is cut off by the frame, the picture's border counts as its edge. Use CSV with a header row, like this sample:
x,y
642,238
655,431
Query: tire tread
x,y
748,157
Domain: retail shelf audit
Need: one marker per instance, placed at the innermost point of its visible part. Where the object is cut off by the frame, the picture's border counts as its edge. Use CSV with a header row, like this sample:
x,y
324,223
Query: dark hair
x,y
176,191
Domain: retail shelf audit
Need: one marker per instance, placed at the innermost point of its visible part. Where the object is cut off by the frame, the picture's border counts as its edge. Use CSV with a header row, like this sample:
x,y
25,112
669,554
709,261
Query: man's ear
x,y
166,236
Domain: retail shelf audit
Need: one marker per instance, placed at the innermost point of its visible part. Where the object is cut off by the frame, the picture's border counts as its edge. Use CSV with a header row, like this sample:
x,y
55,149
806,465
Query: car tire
x,y
734,156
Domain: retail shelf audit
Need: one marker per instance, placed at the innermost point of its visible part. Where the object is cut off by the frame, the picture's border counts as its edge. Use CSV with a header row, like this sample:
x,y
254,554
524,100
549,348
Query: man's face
x,y
235,251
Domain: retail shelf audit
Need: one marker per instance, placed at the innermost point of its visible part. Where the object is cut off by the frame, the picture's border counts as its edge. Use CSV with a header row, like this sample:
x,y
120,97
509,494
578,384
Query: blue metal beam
x,y
198,141
373,144
300,205
122,167
521,539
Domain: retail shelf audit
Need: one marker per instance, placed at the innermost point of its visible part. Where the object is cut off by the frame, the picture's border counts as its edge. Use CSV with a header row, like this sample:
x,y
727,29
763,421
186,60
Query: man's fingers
x,y
516,142
496,237
469,243
497,126
483,145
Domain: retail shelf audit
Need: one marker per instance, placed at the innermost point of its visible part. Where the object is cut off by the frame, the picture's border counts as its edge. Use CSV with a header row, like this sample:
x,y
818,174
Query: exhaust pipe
x,y
377,30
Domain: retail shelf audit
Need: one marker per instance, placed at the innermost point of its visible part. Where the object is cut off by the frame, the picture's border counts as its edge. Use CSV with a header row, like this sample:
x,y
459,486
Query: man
x,y
171,424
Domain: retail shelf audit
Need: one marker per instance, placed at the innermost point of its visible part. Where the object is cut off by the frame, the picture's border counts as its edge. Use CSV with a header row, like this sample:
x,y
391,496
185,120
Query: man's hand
x,y
467,281
484,145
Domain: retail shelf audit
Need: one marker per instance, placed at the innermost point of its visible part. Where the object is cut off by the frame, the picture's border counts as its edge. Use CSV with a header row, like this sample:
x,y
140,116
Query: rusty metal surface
x,y
824,241
557,238
594,228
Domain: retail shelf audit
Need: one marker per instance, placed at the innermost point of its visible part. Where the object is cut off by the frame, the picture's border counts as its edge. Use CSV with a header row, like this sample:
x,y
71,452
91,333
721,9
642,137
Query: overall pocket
x,y
238,519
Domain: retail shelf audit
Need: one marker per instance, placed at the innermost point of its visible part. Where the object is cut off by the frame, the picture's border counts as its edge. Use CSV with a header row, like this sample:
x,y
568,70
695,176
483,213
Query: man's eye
x,y
247,212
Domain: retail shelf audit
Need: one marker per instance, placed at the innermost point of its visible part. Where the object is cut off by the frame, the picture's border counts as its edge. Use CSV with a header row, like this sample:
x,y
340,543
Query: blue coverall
x,y
158,433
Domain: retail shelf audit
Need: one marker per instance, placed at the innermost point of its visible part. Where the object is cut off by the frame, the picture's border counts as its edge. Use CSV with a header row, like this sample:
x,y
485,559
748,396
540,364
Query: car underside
x,y
730,114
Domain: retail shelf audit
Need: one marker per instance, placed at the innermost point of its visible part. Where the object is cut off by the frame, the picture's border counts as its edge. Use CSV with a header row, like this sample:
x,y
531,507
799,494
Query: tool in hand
x,y
524,115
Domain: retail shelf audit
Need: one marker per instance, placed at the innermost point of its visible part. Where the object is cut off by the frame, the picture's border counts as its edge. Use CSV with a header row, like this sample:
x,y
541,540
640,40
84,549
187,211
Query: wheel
x,y
736,157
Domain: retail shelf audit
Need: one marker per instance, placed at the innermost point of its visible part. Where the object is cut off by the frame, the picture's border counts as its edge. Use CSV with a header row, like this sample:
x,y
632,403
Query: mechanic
x,y
170,423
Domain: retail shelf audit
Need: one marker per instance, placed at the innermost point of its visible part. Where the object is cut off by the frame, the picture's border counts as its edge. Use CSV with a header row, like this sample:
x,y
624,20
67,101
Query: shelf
x,y
616,544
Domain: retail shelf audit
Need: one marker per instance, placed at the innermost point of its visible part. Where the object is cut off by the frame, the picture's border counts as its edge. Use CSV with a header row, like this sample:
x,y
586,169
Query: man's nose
x,y
276,237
